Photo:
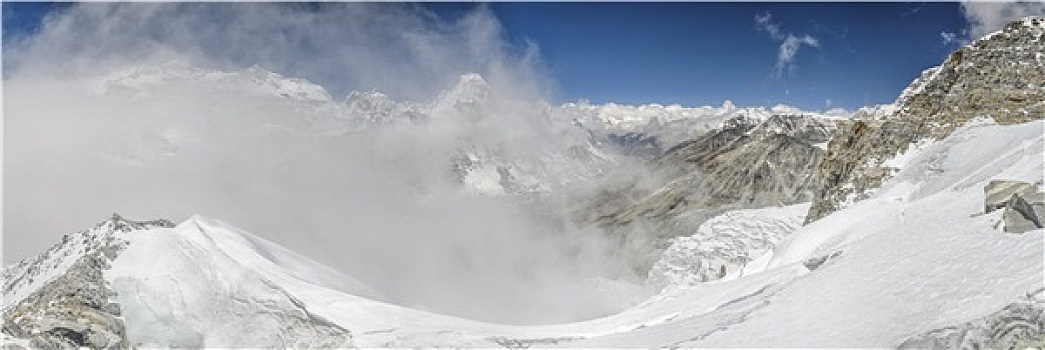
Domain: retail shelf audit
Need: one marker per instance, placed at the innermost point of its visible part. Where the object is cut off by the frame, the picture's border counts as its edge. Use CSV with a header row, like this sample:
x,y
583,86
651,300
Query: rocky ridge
x,y
1000,76
70,306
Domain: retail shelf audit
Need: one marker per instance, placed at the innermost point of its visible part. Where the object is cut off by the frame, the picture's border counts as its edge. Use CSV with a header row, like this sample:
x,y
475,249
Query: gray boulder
x,y
998,192
1024,205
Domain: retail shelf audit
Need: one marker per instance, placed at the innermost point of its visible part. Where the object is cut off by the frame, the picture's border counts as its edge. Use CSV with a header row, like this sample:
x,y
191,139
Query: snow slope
x,y
917,256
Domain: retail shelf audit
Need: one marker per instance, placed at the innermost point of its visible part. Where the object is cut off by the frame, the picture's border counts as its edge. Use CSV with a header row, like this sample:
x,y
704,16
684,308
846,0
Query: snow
x,y
916,256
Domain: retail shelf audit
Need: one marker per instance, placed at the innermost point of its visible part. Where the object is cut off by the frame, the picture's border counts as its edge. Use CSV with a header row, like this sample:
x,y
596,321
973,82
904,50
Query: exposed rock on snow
x,y
1020,325
73,306
998,192
1000,76
1024,205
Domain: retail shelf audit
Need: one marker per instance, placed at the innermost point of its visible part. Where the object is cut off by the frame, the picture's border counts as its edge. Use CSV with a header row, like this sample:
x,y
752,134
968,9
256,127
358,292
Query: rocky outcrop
x,y
73,307
1024,205
1001,76
72,311
1020,325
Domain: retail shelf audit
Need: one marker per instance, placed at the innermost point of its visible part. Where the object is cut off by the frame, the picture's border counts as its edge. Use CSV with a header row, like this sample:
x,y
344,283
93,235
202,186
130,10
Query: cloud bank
x,y
790,44
377,203
985,17
400,49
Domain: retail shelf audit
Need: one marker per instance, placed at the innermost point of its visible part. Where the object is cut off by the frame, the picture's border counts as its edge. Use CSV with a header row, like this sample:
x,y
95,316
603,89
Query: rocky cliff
x,y
1000,76
746,163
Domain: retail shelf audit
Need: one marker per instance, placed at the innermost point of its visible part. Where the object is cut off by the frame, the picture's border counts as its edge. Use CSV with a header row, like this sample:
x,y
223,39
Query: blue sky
x,y
847,54
704,53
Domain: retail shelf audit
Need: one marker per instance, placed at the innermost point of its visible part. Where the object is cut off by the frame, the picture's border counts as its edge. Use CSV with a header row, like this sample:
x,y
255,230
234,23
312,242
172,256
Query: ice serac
x,y
1000,76
724,245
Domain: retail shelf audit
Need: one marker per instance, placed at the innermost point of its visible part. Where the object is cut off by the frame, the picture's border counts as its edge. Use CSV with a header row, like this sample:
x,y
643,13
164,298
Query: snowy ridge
x,y
670,125
226,282
141,81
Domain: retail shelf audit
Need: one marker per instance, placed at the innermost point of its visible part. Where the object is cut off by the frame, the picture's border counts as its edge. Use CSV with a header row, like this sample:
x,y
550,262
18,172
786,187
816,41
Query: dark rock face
x,y
1019,325
747,163
1001,76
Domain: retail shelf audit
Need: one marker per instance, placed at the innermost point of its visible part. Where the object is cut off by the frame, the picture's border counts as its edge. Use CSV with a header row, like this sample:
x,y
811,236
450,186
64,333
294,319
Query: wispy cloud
x,y
911,12
949,38
790,44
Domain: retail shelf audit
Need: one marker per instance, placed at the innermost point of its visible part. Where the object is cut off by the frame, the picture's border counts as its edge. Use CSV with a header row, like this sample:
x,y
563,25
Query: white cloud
x,y
986,17
790,44
788,49
949,38
765,22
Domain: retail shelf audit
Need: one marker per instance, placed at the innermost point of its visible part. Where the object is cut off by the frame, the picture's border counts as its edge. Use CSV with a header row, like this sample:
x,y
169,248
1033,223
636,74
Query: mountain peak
x,y
470,87
119,223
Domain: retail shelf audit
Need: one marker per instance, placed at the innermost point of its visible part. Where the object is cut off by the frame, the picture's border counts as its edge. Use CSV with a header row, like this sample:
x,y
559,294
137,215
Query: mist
x,y
84,139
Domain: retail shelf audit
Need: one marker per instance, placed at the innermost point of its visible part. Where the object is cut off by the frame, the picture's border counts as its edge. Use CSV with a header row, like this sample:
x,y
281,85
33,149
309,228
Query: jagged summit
x,y
119,223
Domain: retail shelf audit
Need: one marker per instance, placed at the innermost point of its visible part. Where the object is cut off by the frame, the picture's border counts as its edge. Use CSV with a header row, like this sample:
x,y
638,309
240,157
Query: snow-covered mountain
x,y
902,246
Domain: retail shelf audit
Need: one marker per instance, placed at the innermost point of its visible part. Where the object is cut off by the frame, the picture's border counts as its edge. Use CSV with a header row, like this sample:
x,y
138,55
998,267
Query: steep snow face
x,y
219,288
